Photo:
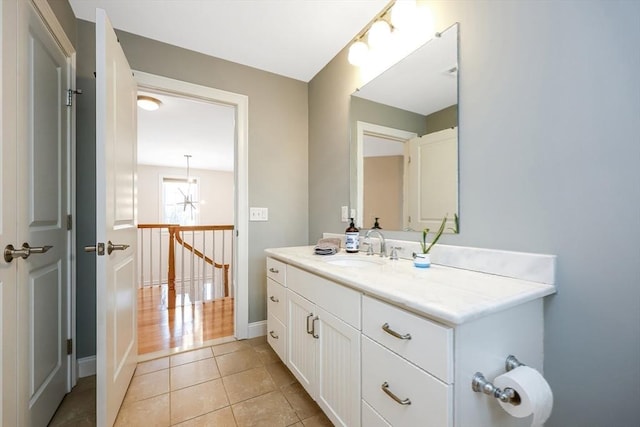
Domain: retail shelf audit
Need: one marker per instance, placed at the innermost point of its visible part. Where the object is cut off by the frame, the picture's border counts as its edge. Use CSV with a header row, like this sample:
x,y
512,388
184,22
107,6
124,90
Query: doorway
x,y
199,205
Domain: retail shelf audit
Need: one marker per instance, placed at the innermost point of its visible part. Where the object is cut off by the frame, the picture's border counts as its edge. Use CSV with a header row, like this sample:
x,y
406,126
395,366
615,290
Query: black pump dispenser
x,y
352,238
376,226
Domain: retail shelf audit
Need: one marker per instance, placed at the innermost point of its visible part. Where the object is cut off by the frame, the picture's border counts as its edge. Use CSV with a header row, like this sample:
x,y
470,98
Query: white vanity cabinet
x,y
390,346
277,307
407,367
323,349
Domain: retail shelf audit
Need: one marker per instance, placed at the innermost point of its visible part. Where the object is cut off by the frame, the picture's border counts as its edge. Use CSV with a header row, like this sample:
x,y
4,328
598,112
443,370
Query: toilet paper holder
x,y
480,384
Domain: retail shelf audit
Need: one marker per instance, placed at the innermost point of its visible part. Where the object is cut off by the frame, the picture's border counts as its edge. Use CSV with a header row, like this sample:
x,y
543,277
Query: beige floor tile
x,y
194,373
319,420
266,353
257,340
77,408
152,412
220,418
230,347
238,361
152,366
247,384
280,374
147,385
298,424
197,400
270,409
300,401
190,356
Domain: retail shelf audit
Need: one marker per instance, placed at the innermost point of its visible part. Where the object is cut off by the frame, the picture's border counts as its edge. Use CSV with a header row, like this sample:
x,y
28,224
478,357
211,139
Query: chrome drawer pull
x,y
390,331
274,270
385,388
274,299
273,335
313,330
309,329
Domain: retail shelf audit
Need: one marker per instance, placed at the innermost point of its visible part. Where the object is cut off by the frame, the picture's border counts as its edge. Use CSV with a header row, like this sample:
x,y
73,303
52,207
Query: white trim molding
x,y
86,366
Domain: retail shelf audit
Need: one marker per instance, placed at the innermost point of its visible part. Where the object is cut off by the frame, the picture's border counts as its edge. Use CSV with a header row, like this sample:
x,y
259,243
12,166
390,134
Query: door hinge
x,y
70,93
69,346
69,222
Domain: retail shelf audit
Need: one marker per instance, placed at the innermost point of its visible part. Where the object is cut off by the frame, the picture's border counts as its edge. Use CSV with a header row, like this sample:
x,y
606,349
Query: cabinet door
x,y
338,369
301,354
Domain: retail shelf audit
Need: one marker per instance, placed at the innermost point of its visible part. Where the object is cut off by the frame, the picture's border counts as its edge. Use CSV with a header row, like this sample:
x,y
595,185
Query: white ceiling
x,y
186,126
293,38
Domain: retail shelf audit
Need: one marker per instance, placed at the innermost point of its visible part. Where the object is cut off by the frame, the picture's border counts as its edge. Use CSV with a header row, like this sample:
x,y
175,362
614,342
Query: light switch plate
x,y
345,214
258,214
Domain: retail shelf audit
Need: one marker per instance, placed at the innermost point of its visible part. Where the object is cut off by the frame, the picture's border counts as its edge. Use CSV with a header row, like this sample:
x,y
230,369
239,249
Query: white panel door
x,y
43,137
8,170
116,222
433,179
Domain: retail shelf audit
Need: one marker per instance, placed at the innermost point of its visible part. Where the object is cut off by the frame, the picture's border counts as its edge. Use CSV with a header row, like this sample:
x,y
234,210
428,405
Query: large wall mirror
x,y
404,141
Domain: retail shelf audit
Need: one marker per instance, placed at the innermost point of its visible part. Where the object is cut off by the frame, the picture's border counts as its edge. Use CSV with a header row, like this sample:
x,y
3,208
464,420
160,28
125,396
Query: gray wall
x,y
549,162
278,139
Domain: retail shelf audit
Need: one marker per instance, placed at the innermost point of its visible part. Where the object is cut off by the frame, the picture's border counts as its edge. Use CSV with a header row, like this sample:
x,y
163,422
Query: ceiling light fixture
x,y
148,103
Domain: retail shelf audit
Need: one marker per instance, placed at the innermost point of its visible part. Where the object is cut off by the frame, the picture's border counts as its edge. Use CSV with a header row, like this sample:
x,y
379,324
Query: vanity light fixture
x,y
399,15
148,103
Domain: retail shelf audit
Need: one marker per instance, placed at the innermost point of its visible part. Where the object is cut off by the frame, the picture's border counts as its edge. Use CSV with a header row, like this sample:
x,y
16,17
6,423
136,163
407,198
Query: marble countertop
x,y
449,295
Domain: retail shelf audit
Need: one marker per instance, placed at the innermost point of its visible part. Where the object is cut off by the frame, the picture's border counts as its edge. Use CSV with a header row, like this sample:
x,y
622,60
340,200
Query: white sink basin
x,y
352,262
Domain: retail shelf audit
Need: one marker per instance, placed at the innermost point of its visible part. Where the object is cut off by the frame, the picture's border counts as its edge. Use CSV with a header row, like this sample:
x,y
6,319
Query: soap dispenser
x,y
352,238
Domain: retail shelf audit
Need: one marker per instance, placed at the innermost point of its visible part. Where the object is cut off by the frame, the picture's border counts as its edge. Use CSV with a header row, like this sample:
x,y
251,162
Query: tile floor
x,y
237,384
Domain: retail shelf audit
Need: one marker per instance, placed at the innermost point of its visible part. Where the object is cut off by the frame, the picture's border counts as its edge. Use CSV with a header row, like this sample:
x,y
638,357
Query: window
x,y
180,201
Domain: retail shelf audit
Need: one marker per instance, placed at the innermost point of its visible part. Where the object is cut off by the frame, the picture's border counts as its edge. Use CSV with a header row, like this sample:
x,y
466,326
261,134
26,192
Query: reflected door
x,y
433,180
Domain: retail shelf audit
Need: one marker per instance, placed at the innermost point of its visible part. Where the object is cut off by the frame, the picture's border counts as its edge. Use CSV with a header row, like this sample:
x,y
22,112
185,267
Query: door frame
x,y
365,128
241,179
57,31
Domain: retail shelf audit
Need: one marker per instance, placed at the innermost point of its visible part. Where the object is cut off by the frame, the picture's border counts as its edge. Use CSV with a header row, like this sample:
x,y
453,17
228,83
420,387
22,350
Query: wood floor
x,y
163,328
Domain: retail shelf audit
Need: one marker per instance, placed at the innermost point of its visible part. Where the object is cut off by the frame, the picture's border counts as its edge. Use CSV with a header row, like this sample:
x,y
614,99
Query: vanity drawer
x,y
276,300
430,346
370,418
431,399
277,336
276,270
341,301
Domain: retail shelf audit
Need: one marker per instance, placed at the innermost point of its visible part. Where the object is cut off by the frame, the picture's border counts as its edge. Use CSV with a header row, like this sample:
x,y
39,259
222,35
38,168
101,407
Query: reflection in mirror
x,y
404,141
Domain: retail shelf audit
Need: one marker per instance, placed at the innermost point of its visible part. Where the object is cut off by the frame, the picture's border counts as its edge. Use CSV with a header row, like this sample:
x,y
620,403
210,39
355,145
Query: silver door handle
x,y
95,248
10,253
113,247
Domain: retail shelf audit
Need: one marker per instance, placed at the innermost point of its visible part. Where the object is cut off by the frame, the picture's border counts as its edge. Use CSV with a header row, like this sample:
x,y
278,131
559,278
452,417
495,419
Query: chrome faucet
x,y
383,245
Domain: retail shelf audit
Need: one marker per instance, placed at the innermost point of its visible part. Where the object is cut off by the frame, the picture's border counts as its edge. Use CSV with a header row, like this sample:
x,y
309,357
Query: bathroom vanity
x,y
377,342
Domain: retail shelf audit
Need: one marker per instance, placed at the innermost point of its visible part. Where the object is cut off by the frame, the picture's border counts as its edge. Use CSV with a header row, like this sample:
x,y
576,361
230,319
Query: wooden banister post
x,y
226,280
171,279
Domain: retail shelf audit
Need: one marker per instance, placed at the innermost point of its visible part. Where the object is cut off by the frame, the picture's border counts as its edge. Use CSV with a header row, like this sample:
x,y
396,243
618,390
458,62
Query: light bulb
x,y
358,53
379,34
403,13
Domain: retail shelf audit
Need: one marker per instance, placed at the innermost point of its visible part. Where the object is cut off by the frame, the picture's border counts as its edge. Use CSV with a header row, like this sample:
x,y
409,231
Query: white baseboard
x,y
257,329
86,366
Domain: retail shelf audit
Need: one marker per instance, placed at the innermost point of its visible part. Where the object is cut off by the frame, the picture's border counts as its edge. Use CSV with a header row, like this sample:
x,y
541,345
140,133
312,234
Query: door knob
x,y
10,253
95,248
113,247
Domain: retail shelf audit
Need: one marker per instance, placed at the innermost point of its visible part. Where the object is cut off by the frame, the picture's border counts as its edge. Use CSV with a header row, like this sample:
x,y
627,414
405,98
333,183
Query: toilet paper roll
x,y
536,396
